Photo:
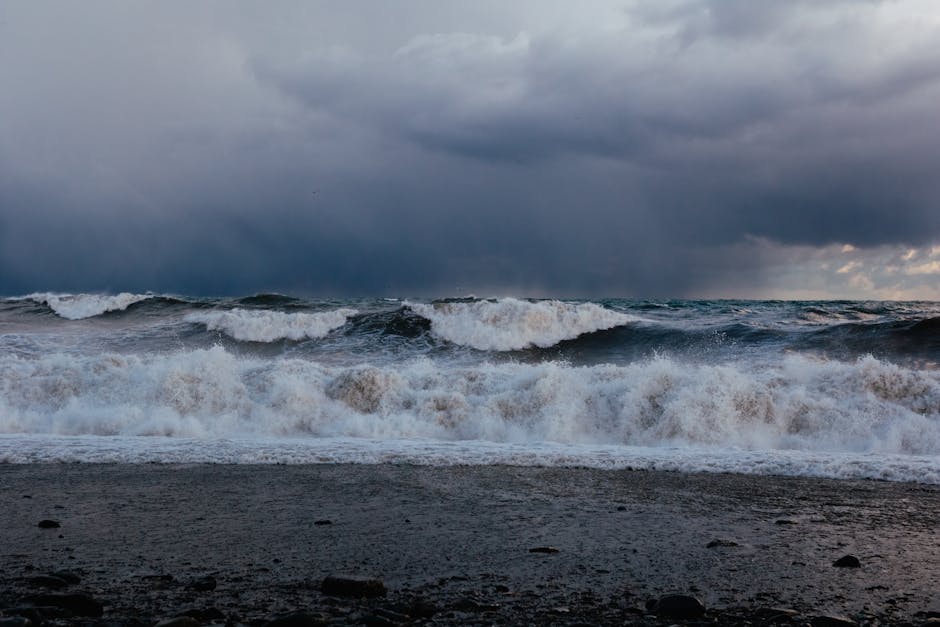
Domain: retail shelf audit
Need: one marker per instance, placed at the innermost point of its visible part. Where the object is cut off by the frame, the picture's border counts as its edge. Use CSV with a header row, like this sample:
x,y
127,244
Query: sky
x,y
660,149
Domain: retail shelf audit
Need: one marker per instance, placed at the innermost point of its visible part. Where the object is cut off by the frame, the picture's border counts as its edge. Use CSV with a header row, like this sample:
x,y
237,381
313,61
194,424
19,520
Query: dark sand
x,y
456,541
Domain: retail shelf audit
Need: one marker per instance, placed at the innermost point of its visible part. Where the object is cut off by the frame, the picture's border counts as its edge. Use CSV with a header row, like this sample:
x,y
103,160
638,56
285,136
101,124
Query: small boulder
x,y
847,561
48,524
321,523
680,606
353,586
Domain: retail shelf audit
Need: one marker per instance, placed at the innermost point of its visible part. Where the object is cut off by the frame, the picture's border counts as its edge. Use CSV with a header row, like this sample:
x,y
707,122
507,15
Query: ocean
x,y
826,389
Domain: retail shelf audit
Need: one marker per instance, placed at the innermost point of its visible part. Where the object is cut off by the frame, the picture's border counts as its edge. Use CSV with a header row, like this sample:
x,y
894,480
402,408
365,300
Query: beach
x,y
249,543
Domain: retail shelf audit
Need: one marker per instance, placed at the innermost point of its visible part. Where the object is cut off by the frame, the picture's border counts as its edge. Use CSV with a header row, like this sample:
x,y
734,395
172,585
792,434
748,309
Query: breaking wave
x,y
801,404
262,325
79,306
511,324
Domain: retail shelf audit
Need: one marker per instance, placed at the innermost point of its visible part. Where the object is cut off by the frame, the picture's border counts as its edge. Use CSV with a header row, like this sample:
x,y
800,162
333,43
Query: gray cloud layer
x,y
682,147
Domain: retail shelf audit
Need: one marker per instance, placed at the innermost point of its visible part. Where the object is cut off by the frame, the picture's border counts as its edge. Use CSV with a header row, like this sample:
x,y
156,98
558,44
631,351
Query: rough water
x,y
835,389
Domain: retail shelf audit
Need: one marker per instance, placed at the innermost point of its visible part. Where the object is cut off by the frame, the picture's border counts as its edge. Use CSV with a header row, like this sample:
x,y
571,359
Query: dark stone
x,y
543,549
352,586
298,619
679,606
715,543
621,508
76,603
206,615
785,521
49,524
831,621
67,576
178,621
47,581
320,523
203,584
847,561
420,608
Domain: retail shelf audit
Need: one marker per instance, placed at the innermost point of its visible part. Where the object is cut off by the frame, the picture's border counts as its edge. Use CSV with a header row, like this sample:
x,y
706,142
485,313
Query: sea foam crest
x,y
262,325
511,324
79,306
864,407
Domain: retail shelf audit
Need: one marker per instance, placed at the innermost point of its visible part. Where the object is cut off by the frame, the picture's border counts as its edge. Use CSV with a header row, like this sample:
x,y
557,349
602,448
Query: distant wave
x,y
862,407
261,325
510,324
79,306
270,300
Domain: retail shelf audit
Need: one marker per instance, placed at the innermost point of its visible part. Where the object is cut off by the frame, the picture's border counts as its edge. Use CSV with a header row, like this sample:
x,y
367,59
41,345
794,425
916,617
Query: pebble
x,y
679,606
353,586
543,549
203,584
320,523
49,524
847,561
715,543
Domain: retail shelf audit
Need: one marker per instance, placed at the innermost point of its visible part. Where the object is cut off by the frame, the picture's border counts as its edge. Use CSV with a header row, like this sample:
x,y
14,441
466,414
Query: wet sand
x,y
452,545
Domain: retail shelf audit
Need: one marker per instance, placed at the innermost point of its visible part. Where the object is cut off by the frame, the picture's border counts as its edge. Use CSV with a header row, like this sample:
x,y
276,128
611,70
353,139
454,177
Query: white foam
x,y
254,325
79,306
512,324
818,407
20,449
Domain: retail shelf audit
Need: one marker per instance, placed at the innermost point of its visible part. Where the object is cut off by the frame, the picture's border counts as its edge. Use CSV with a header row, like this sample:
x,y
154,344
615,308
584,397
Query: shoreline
x,y
458,539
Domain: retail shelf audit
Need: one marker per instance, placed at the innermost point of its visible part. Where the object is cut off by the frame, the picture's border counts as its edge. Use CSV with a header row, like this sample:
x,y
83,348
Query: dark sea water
x,y
841,389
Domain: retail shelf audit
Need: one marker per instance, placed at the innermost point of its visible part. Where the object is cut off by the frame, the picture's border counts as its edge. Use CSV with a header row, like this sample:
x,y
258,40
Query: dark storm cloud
x,y
667,148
